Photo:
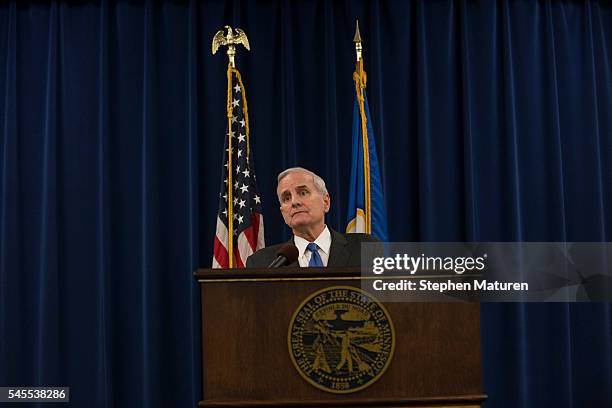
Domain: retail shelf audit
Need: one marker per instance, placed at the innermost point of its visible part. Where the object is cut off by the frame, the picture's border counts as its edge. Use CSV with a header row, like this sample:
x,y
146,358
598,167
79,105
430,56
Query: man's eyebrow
x,y
288,191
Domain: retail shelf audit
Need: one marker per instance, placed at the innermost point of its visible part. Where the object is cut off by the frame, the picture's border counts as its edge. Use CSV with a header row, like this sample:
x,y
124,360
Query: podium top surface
x,y
211,275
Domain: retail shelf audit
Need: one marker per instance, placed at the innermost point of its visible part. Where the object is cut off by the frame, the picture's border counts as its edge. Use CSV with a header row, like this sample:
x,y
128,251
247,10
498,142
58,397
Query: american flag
x,y
241,199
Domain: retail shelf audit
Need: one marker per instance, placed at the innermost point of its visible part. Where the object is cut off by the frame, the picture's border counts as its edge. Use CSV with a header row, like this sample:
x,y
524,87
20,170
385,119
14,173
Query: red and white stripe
x,y
249,241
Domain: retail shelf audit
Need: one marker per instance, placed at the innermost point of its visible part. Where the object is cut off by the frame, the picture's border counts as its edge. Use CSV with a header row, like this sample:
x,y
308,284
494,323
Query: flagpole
x,y
231,53
360,84
230,39
230,182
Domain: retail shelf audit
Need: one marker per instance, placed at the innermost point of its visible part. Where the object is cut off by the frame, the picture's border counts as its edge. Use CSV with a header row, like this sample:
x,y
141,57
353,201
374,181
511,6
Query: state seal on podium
x,y
341,339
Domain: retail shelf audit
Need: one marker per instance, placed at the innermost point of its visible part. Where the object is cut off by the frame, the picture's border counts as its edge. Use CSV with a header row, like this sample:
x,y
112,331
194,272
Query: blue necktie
x,y
315,258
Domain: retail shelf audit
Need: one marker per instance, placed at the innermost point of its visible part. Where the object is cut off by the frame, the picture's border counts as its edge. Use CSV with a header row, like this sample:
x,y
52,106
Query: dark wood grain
x,y
246,359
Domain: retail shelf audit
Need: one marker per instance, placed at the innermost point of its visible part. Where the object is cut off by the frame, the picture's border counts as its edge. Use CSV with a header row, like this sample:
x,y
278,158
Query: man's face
x,y
302,205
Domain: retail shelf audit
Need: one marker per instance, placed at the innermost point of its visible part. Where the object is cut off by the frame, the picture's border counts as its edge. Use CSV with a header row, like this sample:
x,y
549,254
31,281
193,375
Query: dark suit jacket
x,y
345,250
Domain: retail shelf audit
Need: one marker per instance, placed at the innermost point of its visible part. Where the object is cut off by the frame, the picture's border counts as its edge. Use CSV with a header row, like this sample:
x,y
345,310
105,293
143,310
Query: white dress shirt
x,y
323,241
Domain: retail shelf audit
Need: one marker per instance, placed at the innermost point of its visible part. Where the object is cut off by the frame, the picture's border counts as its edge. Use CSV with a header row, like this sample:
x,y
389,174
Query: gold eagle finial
x,y
231,39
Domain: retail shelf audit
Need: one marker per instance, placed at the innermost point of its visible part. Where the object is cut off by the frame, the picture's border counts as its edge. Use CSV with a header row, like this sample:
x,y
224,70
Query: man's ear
x,y
326,202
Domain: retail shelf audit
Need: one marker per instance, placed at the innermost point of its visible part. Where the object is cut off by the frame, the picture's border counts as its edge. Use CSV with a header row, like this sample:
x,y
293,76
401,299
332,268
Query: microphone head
x,y
290,252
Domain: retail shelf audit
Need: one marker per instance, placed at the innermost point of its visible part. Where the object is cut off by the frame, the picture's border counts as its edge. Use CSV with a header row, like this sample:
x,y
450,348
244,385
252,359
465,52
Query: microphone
x,y
285,255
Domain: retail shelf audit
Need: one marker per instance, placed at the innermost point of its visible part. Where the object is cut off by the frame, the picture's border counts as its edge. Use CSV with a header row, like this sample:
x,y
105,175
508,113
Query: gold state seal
x,y
341,339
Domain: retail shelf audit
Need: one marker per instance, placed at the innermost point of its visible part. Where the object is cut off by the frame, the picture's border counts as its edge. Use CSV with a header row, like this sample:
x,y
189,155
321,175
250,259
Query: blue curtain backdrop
x,y
492,122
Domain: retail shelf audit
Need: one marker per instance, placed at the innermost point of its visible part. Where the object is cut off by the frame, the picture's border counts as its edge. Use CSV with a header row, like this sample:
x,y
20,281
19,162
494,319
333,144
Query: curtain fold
x,y
102,260
491,121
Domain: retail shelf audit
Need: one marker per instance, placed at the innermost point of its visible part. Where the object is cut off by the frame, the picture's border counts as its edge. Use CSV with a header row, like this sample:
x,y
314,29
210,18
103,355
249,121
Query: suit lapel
x,y
338,253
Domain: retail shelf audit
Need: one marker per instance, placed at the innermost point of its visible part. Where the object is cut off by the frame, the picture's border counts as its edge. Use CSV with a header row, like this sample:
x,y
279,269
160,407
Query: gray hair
x,y
318,181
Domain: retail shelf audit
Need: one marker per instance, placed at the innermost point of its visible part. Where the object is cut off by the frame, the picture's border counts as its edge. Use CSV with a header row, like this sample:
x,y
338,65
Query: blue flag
x,y
366,209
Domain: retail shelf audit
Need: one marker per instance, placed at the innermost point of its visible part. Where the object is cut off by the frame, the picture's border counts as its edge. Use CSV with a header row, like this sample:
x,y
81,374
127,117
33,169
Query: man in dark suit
x,y
304,201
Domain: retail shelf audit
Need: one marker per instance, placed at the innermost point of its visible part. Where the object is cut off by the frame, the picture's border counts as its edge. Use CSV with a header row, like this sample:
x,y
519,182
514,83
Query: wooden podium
x,y
246,315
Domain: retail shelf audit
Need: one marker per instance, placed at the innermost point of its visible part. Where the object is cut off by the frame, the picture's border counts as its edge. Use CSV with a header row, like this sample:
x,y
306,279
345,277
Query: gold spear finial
x,y
230,39
357,41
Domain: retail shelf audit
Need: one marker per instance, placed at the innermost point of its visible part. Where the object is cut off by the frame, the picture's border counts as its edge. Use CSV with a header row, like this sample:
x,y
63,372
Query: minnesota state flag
x,y
366,208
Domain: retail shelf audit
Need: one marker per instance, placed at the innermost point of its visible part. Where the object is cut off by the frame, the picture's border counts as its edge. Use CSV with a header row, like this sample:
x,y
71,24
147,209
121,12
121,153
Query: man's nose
x,y
296,201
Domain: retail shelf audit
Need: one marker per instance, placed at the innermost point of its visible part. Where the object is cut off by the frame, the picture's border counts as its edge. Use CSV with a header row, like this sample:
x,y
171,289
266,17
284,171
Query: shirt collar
x,y
323,241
